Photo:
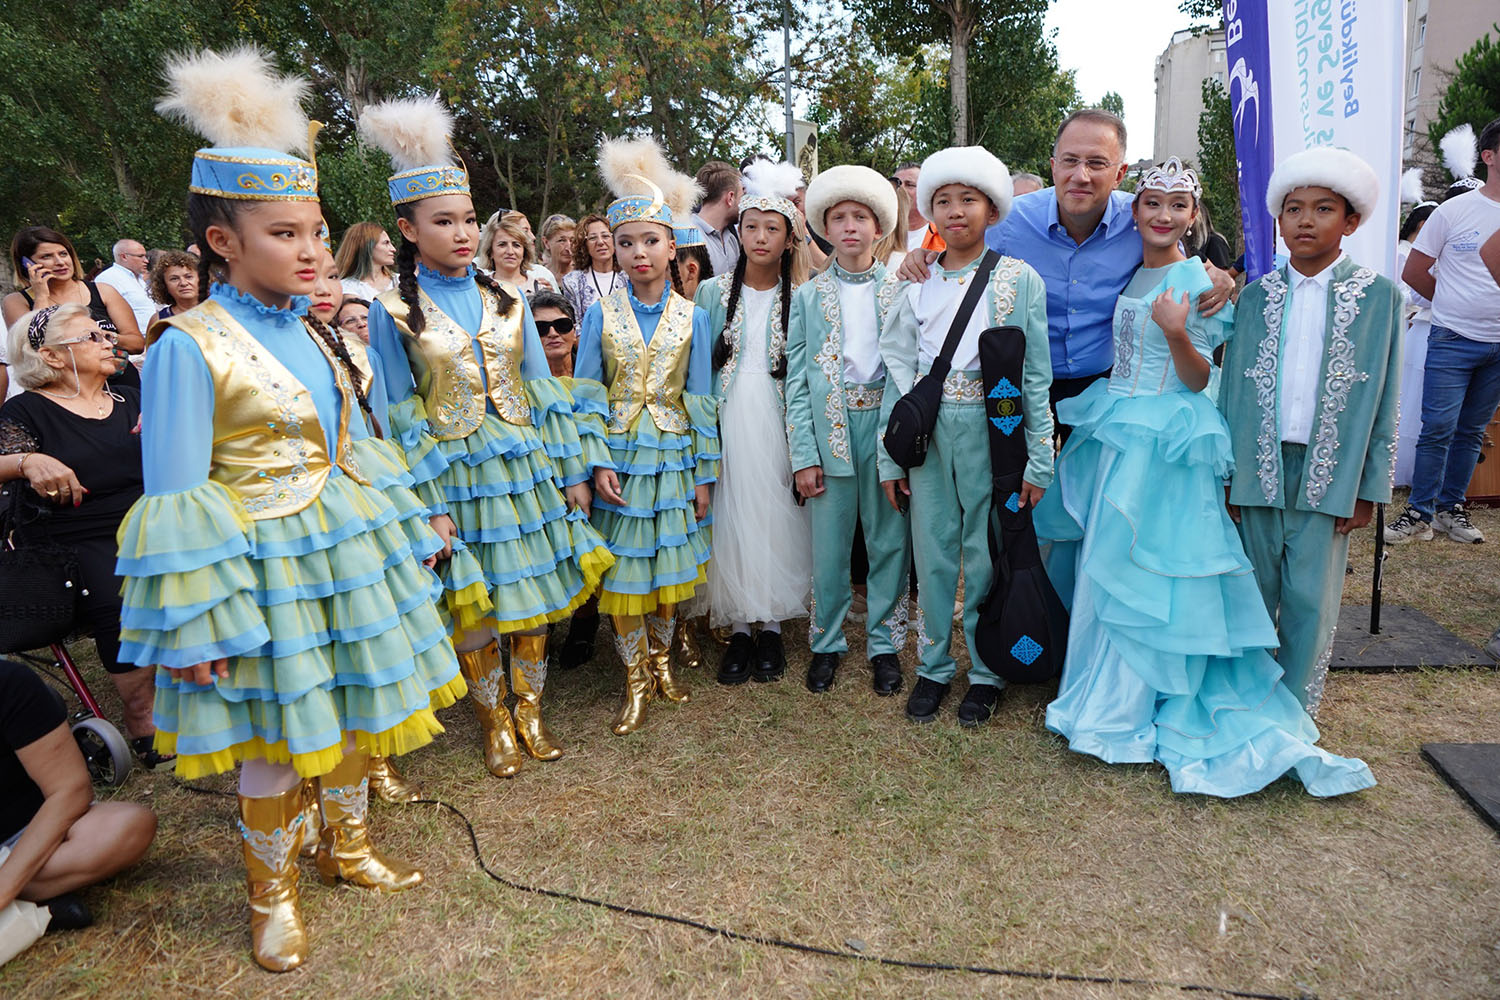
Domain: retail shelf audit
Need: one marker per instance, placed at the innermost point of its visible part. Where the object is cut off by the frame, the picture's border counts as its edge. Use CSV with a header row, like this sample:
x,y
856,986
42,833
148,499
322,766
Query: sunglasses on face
x,y
96,336
561,326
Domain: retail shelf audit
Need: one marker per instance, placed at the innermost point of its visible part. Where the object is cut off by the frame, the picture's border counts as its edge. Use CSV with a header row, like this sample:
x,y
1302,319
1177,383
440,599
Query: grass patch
x,y
828,819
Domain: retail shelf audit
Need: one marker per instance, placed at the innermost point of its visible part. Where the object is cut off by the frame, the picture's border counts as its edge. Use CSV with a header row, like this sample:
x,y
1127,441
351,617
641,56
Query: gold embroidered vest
x,y
650,376
447,375
359,353
269,446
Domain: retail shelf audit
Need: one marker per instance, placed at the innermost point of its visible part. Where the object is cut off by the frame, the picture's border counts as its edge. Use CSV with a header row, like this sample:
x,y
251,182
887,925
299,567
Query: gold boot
x,y
630,640
486,677
271,829
528,678
387,784
659,628
312,818
685,643
345,851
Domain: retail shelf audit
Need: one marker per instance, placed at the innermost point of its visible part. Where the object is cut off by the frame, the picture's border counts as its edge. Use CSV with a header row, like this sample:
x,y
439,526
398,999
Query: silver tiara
x,y
1170,176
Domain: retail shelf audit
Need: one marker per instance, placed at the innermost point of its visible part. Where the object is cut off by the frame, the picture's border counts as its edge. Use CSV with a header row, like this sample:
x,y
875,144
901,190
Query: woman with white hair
x,y
69,442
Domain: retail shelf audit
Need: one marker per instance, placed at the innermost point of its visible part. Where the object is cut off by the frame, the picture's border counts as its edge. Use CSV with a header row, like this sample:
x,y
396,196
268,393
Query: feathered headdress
x,y
771,187
1411,187
683,193
253,118
1460,151
416,133
637,173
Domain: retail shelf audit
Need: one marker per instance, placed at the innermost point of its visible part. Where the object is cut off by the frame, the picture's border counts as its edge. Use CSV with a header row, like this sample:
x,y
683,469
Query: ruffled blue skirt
x,y
1167,648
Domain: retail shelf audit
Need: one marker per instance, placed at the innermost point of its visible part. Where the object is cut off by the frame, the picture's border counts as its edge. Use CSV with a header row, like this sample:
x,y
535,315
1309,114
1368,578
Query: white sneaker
x,y
1456,525
1408,528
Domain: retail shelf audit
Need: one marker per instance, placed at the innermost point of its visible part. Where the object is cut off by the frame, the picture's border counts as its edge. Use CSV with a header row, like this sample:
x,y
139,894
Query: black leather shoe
x,y
734,668
885,671
978,705
770,658
578,648
926,698
820,672
68,913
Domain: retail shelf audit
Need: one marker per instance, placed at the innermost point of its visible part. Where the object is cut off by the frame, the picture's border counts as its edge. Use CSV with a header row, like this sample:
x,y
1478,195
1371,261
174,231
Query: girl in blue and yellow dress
x,y
1168,644
643,378
487,431
281,594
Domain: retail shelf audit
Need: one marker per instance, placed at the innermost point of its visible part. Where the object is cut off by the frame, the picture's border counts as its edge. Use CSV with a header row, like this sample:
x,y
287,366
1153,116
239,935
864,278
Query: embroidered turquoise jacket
x,y
1015,297
713,298
817,400
1352,449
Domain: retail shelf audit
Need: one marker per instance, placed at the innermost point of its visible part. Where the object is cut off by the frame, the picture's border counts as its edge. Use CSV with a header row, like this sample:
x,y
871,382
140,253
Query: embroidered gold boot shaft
x,y
630,641
271,830
387,784
481,668
659,628
312,817
345,851
528,679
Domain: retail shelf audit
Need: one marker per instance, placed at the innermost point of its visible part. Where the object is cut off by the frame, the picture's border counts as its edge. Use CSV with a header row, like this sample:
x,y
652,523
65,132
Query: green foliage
x,y
1113,103
1472,94
1202,8
1218,171
867,106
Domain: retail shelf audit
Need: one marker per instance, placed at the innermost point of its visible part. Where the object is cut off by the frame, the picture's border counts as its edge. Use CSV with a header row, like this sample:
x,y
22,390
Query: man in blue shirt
x,y
1080,237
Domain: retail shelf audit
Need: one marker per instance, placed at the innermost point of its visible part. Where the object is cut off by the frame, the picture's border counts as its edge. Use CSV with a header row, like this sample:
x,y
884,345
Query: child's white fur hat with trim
x,y
1332,167
972,165
850,183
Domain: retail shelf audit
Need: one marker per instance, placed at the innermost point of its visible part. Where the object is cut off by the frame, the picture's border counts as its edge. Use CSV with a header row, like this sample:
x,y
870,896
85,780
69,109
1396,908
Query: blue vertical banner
x,y
1248,53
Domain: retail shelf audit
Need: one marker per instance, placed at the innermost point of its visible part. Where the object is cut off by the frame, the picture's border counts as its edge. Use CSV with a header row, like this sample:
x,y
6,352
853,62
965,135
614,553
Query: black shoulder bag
x,y
1022,632
914,416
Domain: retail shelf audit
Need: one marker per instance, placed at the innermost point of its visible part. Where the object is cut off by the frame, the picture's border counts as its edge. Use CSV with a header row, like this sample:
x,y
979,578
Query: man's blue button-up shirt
x,y
1083,280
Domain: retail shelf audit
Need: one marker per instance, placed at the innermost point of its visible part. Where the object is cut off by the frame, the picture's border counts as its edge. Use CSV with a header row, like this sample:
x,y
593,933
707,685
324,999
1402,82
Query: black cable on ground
x,y
813,949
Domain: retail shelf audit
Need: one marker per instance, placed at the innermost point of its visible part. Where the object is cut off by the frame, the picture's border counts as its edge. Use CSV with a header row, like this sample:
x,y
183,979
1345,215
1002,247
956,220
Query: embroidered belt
x,y
963,387
863,397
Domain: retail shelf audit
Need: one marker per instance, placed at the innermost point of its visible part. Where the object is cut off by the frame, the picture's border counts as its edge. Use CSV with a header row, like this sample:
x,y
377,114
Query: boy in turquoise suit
x,y
1310,384
961,191
835,383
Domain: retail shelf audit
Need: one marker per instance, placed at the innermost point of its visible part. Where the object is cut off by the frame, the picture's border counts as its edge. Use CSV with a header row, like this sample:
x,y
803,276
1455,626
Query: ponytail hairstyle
x,y
205,210
406,282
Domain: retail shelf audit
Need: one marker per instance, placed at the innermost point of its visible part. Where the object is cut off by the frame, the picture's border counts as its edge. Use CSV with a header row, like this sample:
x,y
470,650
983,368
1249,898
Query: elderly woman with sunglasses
x,y
555,325
71,444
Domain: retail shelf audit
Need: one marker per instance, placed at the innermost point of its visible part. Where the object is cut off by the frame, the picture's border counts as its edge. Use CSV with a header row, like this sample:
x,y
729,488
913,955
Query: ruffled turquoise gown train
x,y
1168,648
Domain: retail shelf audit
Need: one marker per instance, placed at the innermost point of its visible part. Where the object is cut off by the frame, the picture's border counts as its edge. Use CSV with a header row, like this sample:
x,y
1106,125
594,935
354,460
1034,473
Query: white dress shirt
x,y
862,361
1303,328
935,302
133,290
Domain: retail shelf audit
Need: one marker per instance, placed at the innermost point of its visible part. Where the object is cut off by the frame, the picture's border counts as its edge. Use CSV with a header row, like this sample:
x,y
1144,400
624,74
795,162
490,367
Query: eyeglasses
x,y
1094,164
97,336
354,322
560,326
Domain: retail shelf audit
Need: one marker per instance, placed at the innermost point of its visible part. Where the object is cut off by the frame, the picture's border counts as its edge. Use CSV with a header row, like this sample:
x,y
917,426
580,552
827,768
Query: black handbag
x,y
1022,632
913,417
39,584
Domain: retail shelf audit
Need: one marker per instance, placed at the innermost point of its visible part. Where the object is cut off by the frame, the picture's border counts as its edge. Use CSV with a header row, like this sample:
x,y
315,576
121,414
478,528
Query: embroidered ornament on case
x,y
1013,502
1026,650
1007,409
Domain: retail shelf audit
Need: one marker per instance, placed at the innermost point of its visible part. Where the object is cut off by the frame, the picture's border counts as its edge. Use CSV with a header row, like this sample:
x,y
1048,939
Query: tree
x,y
901,28
1218,170
1113,103
1202,8
867,107
1472,94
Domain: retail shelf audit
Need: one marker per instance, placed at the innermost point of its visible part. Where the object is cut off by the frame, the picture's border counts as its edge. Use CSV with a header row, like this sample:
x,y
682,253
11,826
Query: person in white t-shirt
x,y
127,275
1461,385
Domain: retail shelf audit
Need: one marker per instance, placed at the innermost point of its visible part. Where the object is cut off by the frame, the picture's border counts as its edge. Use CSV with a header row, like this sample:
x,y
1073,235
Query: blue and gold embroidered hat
x,y
688,236
417,134
253,118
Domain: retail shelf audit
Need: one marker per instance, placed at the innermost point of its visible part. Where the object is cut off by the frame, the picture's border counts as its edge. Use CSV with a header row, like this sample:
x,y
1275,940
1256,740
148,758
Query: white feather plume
x,y
1460,151
683,195
764,179
236,98
413,131
619,159
1411,187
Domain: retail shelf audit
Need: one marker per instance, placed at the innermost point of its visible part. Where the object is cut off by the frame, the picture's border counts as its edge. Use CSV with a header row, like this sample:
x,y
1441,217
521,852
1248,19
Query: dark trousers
x,y
1067,388
99,599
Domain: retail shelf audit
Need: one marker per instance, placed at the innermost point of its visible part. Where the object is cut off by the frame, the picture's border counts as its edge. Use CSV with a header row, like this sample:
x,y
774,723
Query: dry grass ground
x,y
831,819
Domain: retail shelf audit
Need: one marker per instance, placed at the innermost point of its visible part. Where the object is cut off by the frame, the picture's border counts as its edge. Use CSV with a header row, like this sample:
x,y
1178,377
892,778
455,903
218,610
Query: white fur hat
x,y
972,165
850,183
1332,167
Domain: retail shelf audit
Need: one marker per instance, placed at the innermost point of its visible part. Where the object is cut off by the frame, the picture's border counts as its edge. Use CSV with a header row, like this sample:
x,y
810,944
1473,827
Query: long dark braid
x,y
723,347
406,283
205,210
779,369
676,275
507,301
340,350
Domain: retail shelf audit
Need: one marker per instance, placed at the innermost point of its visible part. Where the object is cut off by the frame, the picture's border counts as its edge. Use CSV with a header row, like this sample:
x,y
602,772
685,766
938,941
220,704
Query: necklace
x,y
98,406
593,274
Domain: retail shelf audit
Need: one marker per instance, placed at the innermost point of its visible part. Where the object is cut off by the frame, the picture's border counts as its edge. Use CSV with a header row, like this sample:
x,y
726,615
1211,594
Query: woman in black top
x,y
73,443
52,275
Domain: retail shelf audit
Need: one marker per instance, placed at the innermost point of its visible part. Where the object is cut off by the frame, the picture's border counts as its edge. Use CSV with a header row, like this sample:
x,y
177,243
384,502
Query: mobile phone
x,y
28,263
